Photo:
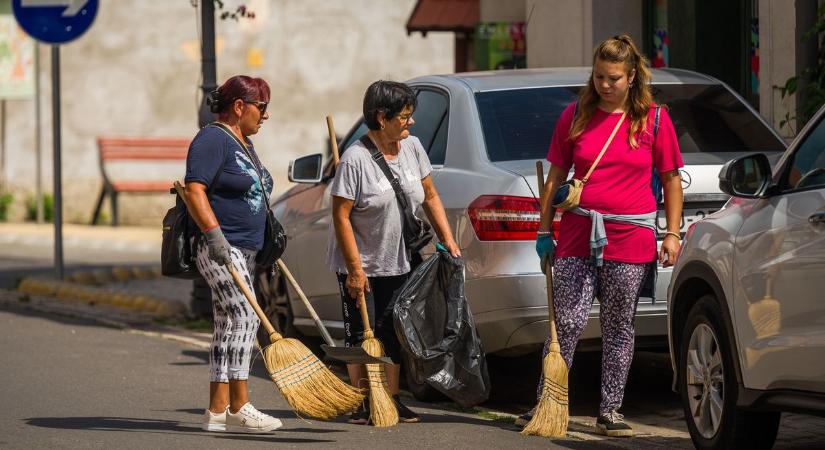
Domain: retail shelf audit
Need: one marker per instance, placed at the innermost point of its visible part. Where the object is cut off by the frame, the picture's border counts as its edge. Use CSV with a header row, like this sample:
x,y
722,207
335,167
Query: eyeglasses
x,y
404,118
260,105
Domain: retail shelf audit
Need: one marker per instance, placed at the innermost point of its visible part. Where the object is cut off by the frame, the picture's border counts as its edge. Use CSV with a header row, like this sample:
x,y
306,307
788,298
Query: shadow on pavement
x,y
129,424
21,310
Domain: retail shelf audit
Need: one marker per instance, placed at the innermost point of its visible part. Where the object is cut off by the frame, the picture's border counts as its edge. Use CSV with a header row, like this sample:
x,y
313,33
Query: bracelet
x,y
544,233
676,235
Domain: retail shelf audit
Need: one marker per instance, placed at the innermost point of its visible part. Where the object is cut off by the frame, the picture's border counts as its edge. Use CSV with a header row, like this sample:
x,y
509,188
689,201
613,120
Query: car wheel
x,y
273,297
417,386
707,383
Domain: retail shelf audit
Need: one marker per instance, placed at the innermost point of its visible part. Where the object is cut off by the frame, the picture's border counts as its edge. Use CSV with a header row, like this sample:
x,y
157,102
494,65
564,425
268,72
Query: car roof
x,y
495,80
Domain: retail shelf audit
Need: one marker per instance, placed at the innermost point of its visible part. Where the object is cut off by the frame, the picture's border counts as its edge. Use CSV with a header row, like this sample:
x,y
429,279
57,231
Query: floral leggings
x,y
235,322
576,282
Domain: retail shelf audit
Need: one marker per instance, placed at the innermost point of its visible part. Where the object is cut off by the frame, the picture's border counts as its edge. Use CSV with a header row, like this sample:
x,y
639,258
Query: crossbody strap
x,y
606,144
255,162
379,159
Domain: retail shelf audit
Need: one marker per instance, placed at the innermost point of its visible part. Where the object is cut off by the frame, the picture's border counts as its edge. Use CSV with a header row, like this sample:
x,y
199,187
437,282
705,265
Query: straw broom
x,y
306,384
551,415
383,412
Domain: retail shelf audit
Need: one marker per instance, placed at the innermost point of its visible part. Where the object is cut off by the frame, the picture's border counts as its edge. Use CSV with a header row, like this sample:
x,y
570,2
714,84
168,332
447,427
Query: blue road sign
x,y
55,21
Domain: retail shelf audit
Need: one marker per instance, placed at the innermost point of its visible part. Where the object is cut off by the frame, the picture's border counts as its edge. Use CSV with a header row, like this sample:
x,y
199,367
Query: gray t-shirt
x,y
375,216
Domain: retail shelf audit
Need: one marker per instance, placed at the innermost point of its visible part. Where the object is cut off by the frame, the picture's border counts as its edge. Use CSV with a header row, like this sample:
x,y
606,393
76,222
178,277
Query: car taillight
x,y
506,218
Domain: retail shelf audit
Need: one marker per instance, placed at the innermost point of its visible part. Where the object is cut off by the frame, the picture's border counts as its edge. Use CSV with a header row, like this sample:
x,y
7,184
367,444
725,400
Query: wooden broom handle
x,y
333,140
307,304
548,269
270,330
365,316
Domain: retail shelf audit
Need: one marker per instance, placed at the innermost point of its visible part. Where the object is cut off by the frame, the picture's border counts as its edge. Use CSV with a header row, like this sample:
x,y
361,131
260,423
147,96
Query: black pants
x,y
380,300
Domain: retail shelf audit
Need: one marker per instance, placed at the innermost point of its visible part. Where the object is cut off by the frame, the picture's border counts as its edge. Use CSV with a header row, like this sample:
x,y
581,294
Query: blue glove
x,y
441,248
546,249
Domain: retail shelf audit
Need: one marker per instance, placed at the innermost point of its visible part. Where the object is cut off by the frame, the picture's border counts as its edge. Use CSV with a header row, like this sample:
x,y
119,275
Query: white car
x,y
746,311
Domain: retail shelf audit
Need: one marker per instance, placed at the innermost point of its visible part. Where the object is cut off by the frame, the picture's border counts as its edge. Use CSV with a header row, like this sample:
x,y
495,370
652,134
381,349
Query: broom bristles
x,y
306,384
383,412
551,415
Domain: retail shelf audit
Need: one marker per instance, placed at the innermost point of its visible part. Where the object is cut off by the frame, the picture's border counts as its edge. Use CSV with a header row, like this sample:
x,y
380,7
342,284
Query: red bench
x,y
113,149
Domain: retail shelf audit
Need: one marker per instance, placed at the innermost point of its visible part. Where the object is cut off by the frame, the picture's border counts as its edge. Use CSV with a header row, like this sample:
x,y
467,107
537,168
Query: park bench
x,y
122,158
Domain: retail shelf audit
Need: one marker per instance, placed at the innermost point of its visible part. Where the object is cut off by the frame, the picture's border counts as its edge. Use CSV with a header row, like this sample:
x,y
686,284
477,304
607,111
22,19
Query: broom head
x,y
551,415
306,384
383,412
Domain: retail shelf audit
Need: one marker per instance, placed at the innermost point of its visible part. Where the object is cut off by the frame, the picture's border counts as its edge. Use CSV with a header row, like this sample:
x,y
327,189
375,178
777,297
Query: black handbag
x,y
181,237
417,233
274,234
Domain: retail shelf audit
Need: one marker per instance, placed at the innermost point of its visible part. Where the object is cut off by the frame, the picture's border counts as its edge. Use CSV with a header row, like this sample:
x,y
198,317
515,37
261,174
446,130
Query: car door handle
x,y
817,218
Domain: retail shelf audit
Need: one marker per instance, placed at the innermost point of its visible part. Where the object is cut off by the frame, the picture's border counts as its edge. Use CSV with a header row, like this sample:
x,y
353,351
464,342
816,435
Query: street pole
x,y
58,192
201,299
38,154
208,65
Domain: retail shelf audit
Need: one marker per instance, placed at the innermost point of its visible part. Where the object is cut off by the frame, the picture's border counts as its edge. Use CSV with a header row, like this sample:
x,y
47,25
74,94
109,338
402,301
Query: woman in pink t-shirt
x,y
620,185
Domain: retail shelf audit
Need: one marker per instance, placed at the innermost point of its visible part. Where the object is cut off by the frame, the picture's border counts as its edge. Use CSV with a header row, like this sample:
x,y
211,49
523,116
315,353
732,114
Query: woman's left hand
x,y
669,250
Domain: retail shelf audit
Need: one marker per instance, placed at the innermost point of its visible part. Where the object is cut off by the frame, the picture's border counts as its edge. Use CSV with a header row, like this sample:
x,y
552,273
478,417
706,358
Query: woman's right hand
x,y
546,249
357,283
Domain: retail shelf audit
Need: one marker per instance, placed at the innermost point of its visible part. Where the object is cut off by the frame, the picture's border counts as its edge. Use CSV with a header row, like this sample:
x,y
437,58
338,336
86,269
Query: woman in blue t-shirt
x,y
225,184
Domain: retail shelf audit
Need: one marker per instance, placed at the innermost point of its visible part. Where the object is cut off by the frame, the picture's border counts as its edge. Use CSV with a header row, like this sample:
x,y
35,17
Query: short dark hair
x,y
387,97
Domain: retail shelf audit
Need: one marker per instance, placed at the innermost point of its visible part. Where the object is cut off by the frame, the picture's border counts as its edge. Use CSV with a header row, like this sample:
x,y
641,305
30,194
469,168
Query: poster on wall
x,y
500,45
16,60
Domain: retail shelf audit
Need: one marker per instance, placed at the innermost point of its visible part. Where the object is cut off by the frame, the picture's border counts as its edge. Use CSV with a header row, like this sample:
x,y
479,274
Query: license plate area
x,y
691,213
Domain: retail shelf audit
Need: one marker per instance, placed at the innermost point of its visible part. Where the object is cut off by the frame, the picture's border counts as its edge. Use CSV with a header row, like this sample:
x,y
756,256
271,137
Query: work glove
x,y
546,249
218,246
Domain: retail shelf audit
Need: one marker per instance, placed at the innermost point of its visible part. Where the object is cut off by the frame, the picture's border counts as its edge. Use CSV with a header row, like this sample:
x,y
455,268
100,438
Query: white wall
x,y
136,73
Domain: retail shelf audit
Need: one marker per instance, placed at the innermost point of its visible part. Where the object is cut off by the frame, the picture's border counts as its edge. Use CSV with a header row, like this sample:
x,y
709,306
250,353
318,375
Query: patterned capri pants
x,y
235,323
576,282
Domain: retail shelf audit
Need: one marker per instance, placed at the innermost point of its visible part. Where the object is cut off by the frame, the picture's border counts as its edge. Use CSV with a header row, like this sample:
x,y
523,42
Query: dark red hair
x,y
242,87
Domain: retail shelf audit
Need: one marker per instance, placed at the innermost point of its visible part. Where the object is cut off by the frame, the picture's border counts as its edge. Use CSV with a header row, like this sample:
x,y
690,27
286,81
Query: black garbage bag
x,y
435,327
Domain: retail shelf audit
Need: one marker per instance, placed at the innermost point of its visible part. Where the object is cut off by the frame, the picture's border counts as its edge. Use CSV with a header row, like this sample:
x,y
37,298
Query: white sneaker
x,y
214,422
250,420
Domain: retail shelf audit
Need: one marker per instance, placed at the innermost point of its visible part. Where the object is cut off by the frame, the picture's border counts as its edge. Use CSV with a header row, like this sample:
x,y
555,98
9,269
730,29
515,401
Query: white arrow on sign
x,y
74,6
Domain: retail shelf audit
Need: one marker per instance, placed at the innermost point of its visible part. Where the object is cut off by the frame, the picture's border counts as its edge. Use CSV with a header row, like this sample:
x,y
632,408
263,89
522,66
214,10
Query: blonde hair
x,y
618,49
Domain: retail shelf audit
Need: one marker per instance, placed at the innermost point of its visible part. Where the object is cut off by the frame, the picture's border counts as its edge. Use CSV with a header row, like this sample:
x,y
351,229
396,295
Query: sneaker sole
x,y
521,422
358,421
213,427
413,420
614,433
237,429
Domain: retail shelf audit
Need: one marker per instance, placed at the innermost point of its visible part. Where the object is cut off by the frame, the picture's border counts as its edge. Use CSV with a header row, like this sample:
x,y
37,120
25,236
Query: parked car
x,y
483,133
747,313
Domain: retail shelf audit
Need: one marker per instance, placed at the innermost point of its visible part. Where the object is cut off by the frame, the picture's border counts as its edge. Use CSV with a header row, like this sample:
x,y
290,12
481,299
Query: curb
x,y
84,286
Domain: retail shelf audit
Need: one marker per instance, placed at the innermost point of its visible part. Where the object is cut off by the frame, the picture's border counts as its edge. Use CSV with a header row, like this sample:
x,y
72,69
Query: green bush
x,y
31,208
810,83
5,201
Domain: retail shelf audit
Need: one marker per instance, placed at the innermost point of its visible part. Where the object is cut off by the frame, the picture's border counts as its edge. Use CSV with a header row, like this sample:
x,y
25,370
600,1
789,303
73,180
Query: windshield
x,y
712,125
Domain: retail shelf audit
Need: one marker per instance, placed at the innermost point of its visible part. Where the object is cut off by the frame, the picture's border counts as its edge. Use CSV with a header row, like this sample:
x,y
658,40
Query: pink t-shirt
x,y
620,184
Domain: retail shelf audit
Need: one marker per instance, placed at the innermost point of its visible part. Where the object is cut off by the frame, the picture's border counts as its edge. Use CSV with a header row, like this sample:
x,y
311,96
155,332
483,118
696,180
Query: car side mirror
x,y
748,176
306,169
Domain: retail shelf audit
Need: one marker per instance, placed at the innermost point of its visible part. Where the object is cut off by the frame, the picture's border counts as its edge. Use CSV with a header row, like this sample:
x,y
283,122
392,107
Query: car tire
x,y
273,298
418,387
706,353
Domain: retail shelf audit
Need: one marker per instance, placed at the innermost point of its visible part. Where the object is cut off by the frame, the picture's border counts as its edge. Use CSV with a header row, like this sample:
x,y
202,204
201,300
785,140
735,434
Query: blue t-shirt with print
x,y
237,199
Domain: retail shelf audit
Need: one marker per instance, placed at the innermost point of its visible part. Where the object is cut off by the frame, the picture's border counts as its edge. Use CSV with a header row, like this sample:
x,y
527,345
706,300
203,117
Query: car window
x,y
438,149
712,125
429,115
807,168
359,131
518,124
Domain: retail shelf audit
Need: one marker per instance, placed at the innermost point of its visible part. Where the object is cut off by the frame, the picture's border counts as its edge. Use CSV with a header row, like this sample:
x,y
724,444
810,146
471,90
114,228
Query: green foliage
x,y
6,199
48,208
810,83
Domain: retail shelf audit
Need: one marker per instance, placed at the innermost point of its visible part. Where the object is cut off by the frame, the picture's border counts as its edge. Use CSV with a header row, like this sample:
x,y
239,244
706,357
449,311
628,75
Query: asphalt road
x,y
69,383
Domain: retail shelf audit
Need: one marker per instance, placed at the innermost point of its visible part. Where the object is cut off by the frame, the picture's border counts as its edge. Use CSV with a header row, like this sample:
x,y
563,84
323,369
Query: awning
x,y
444,15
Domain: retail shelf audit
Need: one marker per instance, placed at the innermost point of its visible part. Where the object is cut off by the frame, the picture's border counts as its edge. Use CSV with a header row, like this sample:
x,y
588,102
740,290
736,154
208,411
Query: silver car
x,y
483,133
747,300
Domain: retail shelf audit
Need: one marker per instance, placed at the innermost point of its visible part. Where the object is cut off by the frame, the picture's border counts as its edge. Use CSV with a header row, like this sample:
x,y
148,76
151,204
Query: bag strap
x,y
379,159
604,149
252,157
656,118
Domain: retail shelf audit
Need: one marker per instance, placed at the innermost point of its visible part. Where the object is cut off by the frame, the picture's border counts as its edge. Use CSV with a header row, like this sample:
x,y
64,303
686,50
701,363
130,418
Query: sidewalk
x,y
117,266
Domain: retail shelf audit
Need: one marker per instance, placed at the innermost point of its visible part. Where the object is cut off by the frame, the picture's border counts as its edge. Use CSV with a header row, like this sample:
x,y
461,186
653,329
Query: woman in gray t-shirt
x,y
367,250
